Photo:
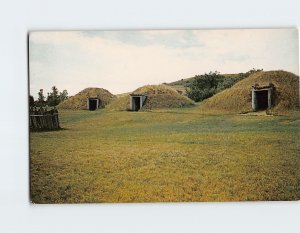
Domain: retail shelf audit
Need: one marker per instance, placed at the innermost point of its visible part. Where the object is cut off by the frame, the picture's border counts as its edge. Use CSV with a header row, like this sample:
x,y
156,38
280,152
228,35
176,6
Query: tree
x,y
53,98
63,95
31,101
41,98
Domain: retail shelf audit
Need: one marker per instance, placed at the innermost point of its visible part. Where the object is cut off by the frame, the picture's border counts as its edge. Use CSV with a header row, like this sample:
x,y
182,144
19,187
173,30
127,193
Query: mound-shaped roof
x,y
79,101
237,99
158,97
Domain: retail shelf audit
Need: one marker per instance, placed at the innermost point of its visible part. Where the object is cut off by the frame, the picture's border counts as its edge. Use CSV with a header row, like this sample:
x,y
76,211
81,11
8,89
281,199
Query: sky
x,y
122,61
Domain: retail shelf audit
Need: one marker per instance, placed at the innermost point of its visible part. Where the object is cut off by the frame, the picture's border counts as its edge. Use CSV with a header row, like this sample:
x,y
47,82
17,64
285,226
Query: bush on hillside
x,y
204,86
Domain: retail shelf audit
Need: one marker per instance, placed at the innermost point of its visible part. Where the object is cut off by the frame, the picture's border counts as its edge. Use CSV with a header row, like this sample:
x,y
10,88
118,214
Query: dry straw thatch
x,y
79,101
237,99
159,97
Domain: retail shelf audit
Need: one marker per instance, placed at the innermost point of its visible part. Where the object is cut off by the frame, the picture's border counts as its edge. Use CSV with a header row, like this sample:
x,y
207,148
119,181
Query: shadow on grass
x,y
46,130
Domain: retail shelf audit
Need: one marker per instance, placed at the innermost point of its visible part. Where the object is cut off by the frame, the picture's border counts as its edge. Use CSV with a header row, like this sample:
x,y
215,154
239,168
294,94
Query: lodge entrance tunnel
x,y
262,100
262,97
93,104
136,103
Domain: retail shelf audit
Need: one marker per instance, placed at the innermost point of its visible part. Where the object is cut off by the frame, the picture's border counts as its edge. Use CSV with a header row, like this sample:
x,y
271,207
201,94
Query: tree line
x,y
53,98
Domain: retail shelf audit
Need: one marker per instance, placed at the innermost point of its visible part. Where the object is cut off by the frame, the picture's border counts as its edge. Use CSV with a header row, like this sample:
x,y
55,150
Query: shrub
x,y
204,86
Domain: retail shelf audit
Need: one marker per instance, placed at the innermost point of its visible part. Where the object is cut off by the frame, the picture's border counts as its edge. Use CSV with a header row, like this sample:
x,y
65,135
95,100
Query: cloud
x,y
121,61
167,38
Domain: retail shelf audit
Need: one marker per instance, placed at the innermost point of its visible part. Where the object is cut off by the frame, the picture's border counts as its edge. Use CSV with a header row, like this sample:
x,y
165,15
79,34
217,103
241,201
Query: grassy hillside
x,y
237,99
165,155
79,101
159,97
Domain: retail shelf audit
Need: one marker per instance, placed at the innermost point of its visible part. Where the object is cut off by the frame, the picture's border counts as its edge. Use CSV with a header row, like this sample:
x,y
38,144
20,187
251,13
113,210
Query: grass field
x,y
166,155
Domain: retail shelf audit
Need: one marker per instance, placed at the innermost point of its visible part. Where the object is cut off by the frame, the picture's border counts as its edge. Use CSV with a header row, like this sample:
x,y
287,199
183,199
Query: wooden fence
x,y
43,119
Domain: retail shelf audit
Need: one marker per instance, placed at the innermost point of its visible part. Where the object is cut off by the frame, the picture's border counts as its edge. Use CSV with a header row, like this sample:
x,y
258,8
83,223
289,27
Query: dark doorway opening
x,y
93,104
262,99
137,103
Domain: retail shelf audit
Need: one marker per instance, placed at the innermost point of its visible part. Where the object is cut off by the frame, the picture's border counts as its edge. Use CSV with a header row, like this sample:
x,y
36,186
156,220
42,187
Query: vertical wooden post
x,y
141,102
30,122
130,106
56,118
254,100
269,97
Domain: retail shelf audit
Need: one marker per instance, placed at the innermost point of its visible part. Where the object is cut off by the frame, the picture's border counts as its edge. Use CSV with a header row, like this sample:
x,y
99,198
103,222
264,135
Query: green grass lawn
x,y
171,155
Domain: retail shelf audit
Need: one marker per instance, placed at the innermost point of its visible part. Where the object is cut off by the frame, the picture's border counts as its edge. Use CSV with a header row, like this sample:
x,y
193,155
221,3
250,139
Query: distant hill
x,y
159,96
237,99
230,79
79,101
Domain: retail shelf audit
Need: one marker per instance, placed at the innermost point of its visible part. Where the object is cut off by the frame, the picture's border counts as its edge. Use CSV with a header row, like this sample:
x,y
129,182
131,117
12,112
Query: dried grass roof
x,y
79,101
158,97
238,98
